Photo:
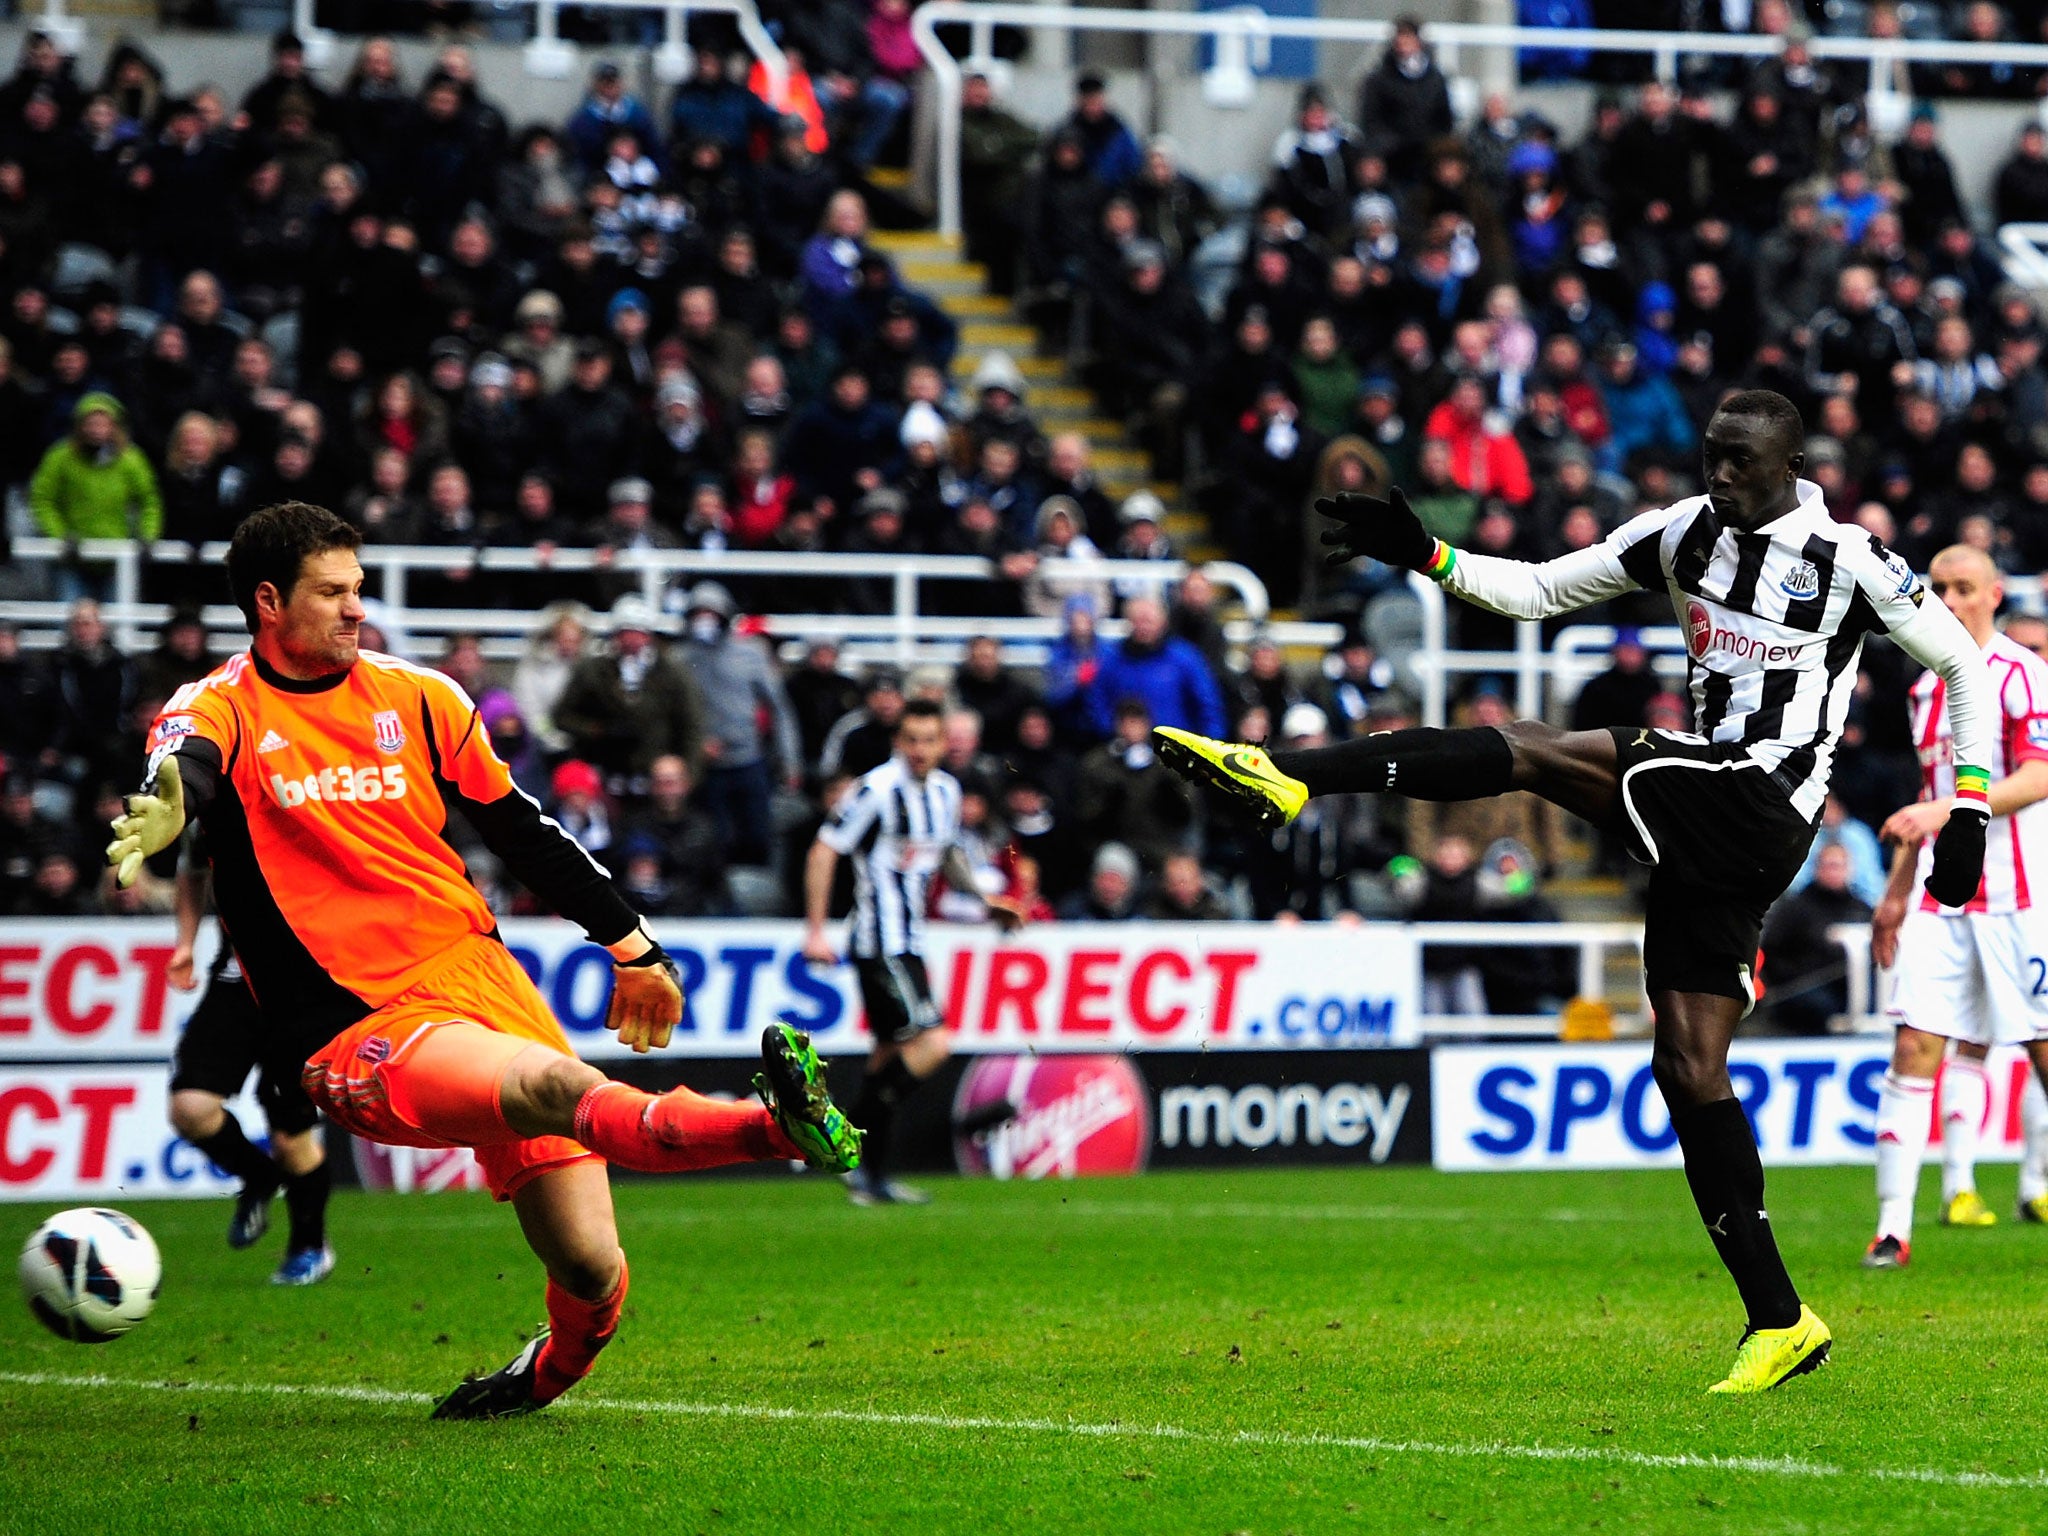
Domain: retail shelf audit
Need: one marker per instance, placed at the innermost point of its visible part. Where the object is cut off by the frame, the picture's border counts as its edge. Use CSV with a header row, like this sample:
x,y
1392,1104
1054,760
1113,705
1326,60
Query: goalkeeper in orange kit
x,y
324,777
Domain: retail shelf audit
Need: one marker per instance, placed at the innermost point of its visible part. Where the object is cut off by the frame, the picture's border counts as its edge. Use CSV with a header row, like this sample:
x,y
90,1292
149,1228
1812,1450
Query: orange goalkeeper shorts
x,y
371,1078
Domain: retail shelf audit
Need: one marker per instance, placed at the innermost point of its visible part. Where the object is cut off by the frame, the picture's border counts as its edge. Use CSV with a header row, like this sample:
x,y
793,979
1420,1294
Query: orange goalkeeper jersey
x,y
325,806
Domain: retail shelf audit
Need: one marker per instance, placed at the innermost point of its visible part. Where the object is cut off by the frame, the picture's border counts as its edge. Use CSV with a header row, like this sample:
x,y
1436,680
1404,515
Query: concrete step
x,y
1592,899
927,270
942,291
1034,368
926,243
1062,400
1099,430
1013,336
970,306
1124,476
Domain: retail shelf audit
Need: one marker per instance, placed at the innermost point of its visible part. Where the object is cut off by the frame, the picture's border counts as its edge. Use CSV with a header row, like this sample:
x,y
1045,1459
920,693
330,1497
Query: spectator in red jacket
x,y
1485,458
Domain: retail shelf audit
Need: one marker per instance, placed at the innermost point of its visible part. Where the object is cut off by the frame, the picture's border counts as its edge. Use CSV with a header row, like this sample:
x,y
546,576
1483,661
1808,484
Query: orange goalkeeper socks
x,y
578,1329
676,1132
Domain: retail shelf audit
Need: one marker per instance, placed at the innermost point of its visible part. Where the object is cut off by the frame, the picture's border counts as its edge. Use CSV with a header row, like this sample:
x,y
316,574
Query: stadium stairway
x,y
1058,401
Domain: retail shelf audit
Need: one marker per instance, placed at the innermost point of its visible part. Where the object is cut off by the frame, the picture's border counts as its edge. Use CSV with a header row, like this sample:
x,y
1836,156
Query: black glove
x,y
1959,856
1387,531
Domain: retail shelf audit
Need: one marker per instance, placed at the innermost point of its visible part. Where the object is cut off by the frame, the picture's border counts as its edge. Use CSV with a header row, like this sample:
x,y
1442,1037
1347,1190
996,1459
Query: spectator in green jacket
x,y
996,154
95,484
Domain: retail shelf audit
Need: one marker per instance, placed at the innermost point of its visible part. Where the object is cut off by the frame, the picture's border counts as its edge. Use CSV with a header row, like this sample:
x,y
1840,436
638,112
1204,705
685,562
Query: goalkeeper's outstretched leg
x,y
474,1059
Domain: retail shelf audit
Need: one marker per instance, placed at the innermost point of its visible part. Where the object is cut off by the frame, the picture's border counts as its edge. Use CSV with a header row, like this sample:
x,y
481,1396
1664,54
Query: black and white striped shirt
x,y
896,828
1773,621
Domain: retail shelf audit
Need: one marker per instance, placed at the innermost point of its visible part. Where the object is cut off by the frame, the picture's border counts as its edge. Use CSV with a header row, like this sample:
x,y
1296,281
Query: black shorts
x,y
224,1039
1724,841
898,997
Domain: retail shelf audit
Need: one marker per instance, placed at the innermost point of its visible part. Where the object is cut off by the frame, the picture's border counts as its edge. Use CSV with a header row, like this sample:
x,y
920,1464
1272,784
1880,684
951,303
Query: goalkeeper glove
x,y
647,1000
154,820
1387,531
1959,854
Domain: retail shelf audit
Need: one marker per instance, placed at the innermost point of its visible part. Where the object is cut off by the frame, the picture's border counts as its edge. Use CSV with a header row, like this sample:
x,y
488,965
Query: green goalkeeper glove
x,y
154,820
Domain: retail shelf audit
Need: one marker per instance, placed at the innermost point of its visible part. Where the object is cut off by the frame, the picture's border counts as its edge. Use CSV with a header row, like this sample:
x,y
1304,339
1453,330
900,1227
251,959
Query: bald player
x,y
1974,973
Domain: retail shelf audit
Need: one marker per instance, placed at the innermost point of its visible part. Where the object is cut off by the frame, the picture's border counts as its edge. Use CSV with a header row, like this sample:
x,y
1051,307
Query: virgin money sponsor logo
x,y
1258,1115
1702,635
1074,1115
1698,626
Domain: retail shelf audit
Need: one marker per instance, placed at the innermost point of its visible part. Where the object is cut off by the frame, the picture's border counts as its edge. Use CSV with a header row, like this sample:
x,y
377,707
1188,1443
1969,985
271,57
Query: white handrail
x,y
2026,253
1448,37
1866,979
547,56
904,624
1591,939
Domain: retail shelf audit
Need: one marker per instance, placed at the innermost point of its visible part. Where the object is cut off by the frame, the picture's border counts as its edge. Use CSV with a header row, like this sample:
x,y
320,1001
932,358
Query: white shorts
x,y
1978,978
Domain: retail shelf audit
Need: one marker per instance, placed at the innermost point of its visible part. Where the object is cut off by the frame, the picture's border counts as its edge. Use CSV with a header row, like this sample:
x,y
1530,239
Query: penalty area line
x,y
1261,1439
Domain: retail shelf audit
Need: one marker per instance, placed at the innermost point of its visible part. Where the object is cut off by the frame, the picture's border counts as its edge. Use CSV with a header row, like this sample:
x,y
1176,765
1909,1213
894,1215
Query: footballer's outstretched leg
x,y
1722,846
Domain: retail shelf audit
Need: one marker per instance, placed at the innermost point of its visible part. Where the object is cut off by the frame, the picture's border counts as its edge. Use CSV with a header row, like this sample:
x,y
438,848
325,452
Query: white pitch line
x,y
1485,1450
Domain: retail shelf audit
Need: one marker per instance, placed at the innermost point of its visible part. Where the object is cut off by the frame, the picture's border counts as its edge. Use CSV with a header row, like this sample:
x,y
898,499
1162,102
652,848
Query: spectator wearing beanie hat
x,y
1111,895
626,707
576,800
750,732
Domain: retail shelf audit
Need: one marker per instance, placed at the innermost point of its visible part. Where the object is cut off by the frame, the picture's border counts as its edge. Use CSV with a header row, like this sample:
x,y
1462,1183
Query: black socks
x,y
1423,764
1727,1179
231,1151
305,1197
874,1111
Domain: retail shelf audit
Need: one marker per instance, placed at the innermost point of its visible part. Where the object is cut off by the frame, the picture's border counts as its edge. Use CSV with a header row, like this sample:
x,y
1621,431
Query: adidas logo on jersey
x,y
346,783
271,742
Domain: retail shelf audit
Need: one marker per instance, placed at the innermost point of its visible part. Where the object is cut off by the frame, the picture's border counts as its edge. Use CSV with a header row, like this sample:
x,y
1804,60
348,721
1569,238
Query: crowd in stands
x,y
662,325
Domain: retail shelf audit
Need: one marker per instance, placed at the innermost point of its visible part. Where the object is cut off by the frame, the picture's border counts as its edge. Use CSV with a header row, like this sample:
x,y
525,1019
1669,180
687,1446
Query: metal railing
x,y
1866,980
547,57
1545,680
906,634
1591,940
1243,28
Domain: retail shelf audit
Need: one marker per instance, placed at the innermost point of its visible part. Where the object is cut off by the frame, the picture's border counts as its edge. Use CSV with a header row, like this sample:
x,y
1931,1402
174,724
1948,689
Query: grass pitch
x,y
1393,1350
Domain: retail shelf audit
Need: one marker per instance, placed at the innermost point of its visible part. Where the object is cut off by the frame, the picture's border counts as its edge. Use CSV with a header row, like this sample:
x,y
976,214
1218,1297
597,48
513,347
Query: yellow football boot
x,y
1241,771
1968,1210
1768,1356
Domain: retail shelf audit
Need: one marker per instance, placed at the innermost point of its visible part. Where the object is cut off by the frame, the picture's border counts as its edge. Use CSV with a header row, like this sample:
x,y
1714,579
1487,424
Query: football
x,y
91,1274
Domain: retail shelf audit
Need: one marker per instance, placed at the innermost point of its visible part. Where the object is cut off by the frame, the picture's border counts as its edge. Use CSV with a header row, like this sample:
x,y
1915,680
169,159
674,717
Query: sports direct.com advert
x,y
1084,1049
88,1022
